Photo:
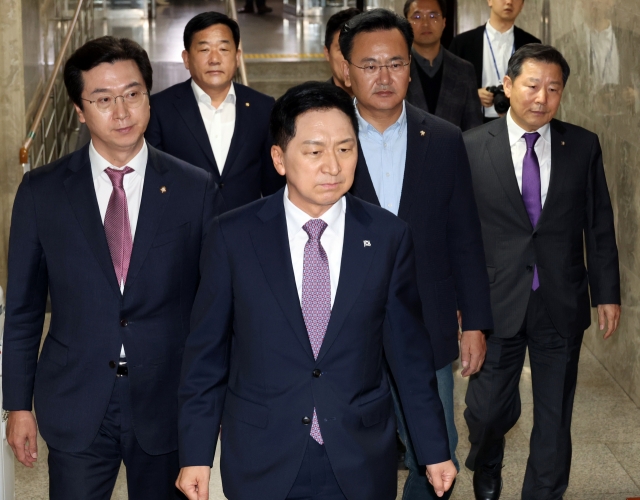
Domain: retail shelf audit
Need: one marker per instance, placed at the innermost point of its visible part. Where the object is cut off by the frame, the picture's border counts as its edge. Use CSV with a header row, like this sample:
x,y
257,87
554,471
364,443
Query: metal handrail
x,y
242,69
49,93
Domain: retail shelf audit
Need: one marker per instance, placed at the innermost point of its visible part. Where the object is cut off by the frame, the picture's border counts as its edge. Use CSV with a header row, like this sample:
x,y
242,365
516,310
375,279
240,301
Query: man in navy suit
x,y
113,232
212,122
415,165
305,297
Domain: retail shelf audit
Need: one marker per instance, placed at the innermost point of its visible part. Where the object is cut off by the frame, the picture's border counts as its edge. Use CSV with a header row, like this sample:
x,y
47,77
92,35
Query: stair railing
x,y
241,74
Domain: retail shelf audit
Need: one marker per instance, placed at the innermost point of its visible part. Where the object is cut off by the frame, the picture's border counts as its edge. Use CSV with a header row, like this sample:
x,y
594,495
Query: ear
x,y
508,86
80,113
185,59
345,72
238,57
444,22
277,155
326,54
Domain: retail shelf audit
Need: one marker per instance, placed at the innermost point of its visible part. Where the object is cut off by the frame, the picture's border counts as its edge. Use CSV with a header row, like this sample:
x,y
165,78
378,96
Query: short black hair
x,y
336,22
537,52
309,96
205,19
441,3
371,21
106,49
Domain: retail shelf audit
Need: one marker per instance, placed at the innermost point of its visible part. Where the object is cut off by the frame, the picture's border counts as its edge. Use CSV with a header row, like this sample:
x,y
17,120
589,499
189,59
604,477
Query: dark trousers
x,y
315,480
493,401
91,474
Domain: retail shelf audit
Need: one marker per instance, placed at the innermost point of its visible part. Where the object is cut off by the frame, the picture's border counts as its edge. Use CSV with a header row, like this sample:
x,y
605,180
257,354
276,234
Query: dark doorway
x,y
451,28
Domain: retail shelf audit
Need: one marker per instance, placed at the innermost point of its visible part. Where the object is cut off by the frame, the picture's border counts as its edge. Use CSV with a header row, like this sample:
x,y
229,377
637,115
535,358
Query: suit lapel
x,y
448,87
502,161
560,159
240,130
418,138
271,244
187,107
152,205
82,197
355,264
362,183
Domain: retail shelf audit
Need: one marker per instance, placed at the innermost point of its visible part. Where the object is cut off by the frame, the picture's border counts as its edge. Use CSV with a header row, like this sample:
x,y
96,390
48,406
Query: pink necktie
x,y
316,296
116,225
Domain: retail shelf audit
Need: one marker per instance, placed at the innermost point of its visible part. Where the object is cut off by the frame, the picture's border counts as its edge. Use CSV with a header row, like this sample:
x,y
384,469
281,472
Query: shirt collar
x,y
516,132
98,163
296,218
495,35
425,64
366,127
202,96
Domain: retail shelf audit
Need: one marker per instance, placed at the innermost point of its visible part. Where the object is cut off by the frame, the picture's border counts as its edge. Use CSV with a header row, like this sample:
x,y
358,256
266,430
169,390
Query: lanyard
x,y
495,63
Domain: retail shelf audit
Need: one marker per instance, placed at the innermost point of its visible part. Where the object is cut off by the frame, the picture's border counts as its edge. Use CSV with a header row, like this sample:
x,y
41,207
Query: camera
x,y
500,101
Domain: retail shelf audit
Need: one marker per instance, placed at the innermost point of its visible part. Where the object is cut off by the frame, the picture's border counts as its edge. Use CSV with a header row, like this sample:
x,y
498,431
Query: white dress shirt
x,y
542,149
503,45
219,122
332,239
132,184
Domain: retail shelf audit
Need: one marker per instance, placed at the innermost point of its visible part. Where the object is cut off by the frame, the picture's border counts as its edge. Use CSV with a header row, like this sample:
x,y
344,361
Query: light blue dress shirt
x,y
386,155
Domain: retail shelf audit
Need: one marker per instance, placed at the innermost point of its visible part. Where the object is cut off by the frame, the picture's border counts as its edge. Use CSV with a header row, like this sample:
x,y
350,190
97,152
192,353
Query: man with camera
x,y
489,47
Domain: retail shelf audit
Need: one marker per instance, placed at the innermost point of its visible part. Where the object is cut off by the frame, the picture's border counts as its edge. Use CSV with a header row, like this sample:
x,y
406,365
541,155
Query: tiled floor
x,y
606,445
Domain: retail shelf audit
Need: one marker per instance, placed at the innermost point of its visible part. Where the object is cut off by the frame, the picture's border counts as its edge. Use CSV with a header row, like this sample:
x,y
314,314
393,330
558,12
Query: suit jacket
x,y
438,204
248,361
458,102
58,244
176,127
577,209
470,45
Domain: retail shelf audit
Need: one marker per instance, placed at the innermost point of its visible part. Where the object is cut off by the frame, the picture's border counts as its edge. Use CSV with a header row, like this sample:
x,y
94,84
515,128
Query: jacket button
x,y
317,373
529,268
112,364
123,322
306,420
221,185
535,235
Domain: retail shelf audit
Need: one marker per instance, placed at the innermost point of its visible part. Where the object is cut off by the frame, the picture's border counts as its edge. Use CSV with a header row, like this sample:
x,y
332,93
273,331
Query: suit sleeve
x,y
26,302
602,251
153,134
212,207
408,351
466,250
272,181
205,364
472,116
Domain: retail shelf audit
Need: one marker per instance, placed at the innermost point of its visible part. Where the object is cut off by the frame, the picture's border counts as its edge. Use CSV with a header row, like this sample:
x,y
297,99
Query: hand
x,y
610,312
22,435
473,348
194,482
486,98
441,476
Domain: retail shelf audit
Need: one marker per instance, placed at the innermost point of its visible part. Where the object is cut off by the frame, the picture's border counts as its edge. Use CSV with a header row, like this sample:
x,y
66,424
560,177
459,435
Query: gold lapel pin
x,y
422,132
247,104
562,143
163,189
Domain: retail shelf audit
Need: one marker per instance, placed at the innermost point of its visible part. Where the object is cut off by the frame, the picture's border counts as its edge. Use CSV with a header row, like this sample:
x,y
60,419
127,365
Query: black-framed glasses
x,y
434,17
106,103
372,69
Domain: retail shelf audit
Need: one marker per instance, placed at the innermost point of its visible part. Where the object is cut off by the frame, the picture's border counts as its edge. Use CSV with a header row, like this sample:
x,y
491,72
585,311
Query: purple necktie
x,y
316,296
116,225
531,189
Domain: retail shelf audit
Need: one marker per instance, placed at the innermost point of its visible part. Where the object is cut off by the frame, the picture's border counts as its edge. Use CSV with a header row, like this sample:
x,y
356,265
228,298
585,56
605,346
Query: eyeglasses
x,y
106,103
372,69
430,16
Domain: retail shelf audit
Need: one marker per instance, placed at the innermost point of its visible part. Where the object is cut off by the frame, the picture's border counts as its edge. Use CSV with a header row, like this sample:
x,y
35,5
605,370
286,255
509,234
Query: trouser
x,y
493,401
91,474
315,480
417,486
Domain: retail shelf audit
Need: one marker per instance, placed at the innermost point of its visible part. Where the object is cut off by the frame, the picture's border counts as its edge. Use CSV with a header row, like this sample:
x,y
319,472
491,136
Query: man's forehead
x,y
384,43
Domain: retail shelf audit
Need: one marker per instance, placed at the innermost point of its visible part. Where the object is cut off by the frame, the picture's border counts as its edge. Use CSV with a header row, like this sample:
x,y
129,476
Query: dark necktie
x,y
531,189
116,225
316,296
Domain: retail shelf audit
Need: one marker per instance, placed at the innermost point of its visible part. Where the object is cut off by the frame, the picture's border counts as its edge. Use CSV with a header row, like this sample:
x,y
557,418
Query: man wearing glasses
x,y
415,165
113,233
441,83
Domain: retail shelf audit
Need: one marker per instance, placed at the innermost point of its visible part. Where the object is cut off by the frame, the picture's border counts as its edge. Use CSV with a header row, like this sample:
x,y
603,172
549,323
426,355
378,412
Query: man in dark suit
x,y
212,122
120,265
541,193
304,295
489,47
441,83
332,52
415,165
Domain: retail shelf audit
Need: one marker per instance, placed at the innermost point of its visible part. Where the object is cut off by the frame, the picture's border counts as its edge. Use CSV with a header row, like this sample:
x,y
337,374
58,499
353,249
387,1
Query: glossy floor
x,y
606,445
